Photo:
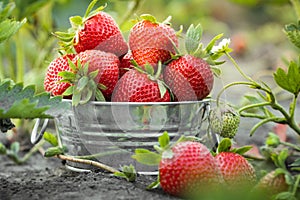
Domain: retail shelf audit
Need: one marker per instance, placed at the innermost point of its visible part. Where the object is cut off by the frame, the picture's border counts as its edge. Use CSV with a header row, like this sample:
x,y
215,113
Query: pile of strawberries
x,y
188,169
98,63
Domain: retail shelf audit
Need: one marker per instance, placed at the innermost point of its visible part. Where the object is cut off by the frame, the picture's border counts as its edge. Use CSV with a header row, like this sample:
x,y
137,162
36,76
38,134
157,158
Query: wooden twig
x,y
88,162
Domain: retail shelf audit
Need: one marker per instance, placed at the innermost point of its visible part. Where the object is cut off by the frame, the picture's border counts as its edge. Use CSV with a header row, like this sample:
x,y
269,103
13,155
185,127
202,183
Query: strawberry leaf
x,y
8,27
289,81
146,157
224,145
293,33
17,101
128,172
149,17
51,138
164,140
242,150
193,38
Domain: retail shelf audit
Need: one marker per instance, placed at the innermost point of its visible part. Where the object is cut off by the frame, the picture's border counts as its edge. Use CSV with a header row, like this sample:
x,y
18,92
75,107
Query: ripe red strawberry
x,y
271,184
151,41
189,78
135,86
96,30
106,63
237,172
52,82
188,169
125,63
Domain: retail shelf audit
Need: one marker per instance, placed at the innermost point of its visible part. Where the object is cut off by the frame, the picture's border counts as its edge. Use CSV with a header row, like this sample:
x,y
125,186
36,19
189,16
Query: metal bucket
x,y
109,132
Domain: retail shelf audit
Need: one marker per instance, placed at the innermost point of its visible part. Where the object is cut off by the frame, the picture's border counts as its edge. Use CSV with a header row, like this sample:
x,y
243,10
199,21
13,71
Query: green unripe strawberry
x,y
224,122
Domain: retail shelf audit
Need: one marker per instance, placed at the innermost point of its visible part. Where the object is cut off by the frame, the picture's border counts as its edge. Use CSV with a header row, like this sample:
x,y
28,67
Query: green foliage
x,y
293,33
193,38
128,173
51,138
289,81
21,102
8,27
53,151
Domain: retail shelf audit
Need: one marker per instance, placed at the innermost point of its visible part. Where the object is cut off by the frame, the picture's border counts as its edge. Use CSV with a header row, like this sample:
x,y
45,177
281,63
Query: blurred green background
x,y
255,27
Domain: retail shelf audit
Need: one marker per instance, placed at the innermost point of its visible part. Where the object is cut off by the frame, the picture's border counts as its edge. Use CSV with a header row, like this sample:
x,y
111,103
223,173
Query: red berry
x,y
271,184
125,63
106,63
188,169
237,172
189,78
52,82
135,86
101,32
151,42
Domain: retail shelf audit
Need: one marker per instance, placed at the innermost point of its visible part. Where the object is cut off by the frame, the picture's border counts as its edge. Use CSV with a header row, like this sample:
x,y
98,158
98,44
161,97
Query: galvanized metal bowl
x,y
109,132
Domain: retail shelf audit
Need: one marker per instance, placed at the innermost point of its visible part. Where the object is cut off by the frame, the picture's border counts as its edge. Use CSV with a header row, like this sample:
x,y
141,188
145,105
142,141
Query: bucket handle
x,y
37,135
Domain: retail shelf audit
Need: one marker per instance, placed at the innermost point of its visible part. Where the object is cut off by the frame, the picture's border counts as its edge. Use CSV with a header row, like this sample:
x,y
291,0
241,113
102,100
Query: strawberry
x,y
237,172
224,122
151,41
125,63
188,169
138,86
189,78
96,30
271,184
52,80
107,65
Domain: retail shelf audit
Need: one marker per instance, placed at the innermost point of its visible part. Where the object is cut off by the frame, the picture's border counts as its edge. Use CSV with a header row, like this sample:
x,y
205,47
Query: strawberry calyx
x,y
83,85
71,37
225,145
153,76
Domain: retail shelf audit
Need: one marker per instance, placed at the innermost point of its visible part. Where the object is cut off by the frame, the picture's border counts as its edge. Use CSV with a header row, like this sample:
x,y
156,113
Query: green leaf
x,y
149,17
2,148
53,151
66,75
212,42
296,163
293,33
76,21
7,10
15,147
69,91
289,81
52,139
154,184
162,88
193,38
146,157
164,140
224,145
285,196
99,95
242,150
272,140
128,172
82,83
216,71
17,101
9,27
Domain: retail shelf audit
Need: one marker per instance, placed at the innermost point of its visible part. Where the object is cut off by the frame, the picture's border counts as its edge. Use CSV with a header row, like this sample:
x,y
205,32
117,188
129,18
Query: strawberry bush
x,y
159,64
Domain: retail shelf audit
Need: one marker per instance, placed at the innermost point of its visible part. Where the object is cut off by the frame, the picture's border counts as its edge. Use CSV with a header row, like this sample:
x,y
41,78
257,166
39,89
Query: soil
x,y
42,178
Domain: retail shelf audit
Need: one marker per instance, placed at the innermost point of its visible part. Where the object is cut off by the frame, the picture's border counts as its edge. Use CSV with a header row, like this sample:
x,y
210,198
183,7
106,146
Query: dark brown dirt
x,y
42,178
